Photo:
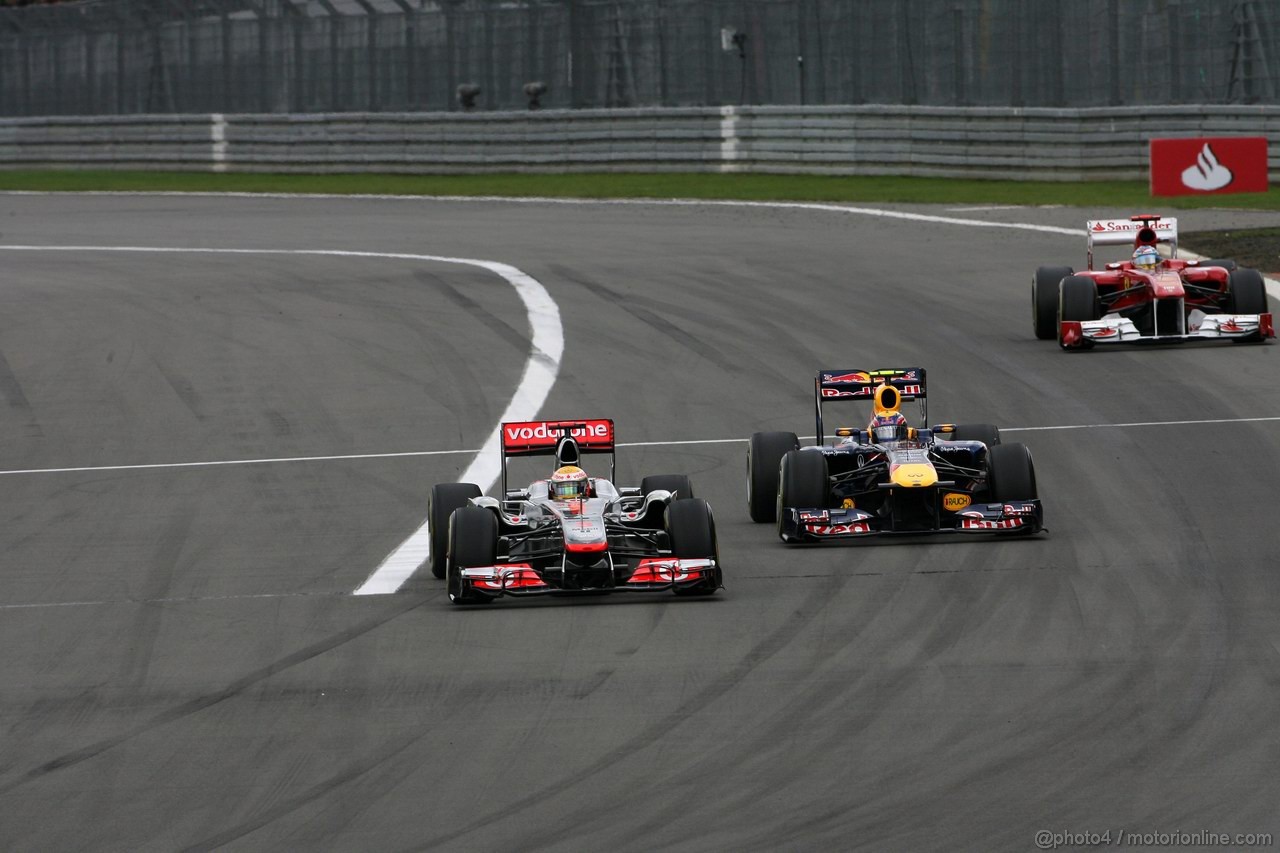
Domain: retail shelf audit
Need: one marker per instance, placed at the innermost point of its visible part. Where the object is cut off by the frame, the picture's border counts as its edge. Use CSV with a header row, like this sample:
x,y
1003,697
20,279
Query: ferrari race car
x,y
570,532
1168,301
890,478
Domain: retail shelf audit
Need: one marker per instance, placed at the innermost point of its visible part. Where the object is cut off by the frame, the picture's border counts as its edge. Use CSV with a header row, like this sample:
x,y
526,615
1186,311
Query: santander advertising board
x,y
596,432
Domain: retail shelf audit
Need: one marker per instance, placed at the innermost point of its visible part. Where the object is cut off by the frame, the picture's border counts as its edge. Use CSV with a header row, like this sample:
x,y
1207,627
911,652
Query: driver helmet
x,y
569,483
888,426
1146,258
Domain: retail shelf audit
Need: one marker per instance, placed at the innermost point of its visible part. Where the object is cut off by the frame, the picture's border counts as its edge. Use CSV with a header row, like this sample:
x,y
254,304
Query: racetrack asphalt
x,y
184,666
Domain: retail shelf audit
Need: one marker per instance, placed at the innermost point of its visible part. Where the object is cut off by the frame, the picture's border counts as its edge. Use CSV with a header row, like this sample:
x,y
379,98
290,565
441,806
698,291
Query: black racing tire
x,y
1044,300
764,456
803,482
677,484
1247,293
473,541
988,434
691,528
1226,263
1012,473
1078,300
445,498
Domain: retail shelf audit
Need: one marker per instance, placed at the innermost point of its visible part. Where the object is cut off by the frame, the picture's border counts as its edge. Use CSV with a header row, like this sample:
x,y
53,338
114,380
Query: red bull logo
x,y
850,378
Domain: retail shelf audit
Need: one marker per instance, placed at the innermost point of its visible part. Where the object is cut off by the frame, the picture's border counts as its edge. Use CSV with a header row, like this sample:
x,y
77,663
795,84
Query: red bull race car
x,y
571,533
1148,298
890,478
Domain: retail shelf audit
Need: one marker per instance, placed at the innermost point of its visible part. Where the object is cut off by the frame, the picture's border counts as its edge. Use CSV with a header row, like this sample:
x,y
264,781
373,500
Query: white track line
x,y
1273,286
1143,424
492,451
224,462
192,599
539,375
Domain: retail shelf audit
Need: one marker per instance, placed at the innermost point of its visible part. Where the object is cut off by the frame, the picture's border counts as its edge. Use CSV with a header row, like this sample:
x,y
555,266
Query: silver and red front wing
x,y
652,574
1114,329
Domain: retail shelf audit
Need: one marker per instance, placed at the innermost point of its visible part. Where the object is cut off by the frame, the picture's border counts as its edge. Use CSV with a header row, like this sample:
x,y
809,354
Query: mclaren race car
x,y
1148,298
571,533
890,478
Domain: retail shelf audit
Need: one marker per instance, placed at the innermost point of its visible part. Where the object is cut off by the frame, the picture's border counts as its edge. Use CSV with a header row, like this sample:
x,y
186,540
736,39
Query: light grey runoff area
x,y
192,673
1105,143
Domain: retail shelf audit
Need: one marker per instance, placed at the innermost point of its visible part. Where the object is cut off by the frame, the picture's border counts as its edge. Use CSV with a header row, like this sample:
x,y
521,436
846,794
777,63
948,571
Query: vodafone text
x,y
548,429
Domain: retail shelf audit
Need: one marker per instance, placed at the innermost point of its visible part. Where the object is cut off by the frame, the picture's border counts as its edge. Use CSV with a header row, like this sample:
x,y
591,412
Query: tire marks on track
x,y
401,606
764,650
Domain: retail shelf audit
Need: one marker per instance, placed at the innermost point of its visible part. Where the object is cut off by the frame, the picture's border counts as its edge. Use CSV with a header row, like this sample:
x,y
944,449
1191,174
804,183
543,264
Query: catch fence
x,y
105,57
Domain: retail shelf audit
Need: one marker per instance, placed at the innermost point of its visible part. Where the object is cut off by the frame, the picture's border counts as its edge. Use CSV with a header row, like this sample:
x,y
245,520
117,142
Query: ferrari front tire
x,y
1247,293
1044,300
1078,301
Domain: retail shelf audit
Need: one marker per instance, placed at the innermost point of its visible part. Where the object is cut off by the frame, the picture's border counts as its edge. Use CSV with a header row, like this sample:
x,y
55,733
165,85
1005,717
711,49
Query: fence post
x,y
410,56
1113,49
371,52
266,81
332,17
957,56
227,77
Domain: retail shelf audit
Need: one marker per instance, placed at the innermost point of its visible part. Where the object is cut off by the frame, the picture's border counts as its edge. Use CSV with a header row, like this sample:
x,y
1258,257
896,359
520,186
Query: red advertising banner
x,y
1206,165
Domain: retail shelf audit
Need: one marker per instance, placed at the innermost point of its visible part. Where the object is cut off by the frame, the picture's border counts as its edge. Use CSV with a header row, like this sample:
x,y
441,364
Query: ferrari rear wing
x,y
856,385
1144,229
546,438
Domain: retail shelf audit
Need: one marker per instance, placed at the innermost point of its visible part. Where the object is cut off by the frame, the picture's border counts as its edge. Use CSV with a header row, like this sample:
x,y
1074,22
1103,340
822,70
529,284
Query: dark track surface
x,y
183,666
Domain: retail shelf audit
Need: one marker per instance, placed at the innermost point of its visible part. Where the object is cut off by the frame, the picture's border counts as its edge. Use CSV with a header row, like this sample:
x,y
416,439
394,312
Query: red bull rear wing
x,y
845,384
855,385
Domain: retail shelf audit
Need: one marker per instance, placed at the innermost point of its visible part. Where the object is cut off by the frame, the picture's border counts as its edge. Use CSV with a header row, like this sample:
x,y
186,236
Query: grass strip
x,y
1127,195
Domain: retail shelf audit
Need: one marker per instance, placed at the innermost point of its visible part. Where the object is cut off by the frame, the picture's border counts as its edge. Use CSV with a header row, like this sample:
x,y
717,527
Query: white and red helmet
x,y
569,483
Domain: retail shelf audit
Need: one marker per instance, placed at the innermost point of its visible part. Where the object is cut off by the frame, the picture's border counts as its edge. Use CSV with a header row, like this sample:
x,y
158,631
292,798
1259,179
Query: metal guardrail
x,y
978,142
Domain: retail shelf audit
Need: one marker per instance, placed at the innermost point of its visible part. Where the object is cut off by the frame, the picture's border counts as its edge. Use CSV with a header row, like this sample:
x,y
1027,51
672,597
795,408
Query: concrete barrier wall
x,y
1026,144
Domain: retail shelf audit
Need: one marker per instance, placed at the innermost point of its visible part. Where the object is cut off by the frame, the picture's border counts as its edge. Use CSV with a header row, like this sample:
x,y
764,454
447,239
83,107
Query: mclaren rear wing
x,y
552,438
1145,229
833,385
